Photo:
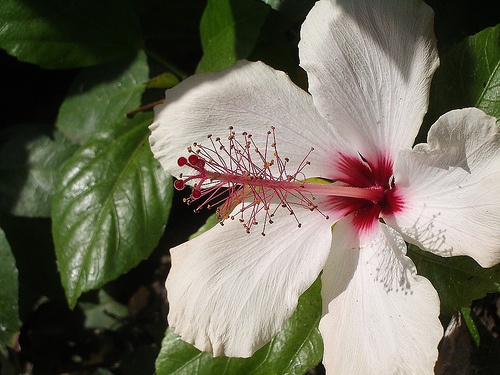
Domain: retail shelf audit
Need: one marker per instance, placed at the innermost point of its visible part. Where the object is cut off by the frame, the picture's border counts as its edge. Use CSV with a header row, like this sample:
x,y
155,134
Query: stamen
x,y
239,173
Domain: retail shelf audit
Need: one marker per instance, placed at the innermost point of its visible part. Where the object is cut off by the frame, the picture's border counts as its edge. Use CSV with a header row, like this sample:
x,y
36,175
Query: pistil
x,y
240,175
374,193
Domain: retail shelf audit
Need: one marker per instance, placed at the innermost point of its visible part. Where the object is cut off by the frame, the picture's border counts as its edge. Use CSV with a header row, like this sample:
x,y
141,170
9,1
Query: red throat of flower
x,y
240,175
376,173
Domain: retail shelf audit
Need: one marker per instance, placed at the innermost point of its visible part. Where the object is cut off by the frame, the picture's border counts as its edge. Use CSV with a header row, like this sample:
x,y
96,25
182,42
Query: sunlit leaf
x,y
458,280
469,76
9,318
68,34
101,96
110,208
30,163
229,30
293,351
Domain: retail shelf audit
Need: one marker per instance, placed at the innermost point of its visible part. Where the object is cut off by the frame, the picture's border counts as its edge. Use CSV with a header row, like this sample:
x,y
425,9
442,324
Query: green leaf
x,y
9,317
163,81
101,96
211,222
110,208
59,34
229,30
107,314
469,76
32,245
30,163
295,350
471,325
458,280
171,31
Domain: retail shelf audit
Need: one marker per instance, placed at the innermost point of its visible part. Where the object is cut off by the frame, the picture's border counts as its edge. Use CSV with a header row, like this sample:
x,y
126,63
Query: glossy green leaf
x,y
30,163
101,96
67,34
295,350
458,280
110,208
229,30
9,317
469,76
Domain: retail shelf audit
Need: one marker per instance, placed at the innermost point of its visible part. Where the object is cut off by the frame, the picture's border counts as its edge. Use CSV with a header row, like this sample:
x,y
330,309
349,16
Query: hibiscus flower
x,y
331,178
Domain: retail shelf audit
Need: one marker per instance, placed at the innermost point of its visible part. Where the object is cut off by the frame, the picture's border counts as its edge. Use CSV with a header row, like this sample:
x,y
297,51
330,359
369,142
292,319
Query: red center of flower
x,y
375,174
258,181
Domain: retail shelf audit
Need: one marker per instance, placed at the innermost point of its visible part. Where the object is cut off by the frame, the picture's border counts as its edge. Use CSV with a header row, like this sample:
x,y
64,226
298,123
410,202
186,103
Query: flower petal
x,y
251,97
451,188
370,65
380,317
231,292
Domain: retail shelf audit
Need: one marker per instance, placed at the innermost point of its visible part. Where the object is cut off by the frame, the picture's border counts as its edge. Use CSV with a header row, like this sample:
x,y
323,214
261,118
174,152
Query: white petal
x,y
251,97
380,317
451,188
231,292
370,65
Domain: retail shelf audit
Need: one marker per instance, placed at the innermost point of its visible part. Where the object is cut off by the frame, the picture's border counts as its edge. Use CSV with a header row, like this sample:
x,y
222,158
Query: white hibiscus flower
x,y
369,65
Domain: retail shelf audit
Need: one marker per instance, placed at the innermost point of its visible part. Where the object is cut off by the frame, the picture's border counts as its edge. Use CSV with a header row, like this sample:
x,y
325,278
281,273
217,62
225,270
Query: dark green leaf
x,y
469,76
229,30
101,96
59,34
163,81
141,361
171,31
9,317
30,163
458,280
295,350
31,243
277,46
110,208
